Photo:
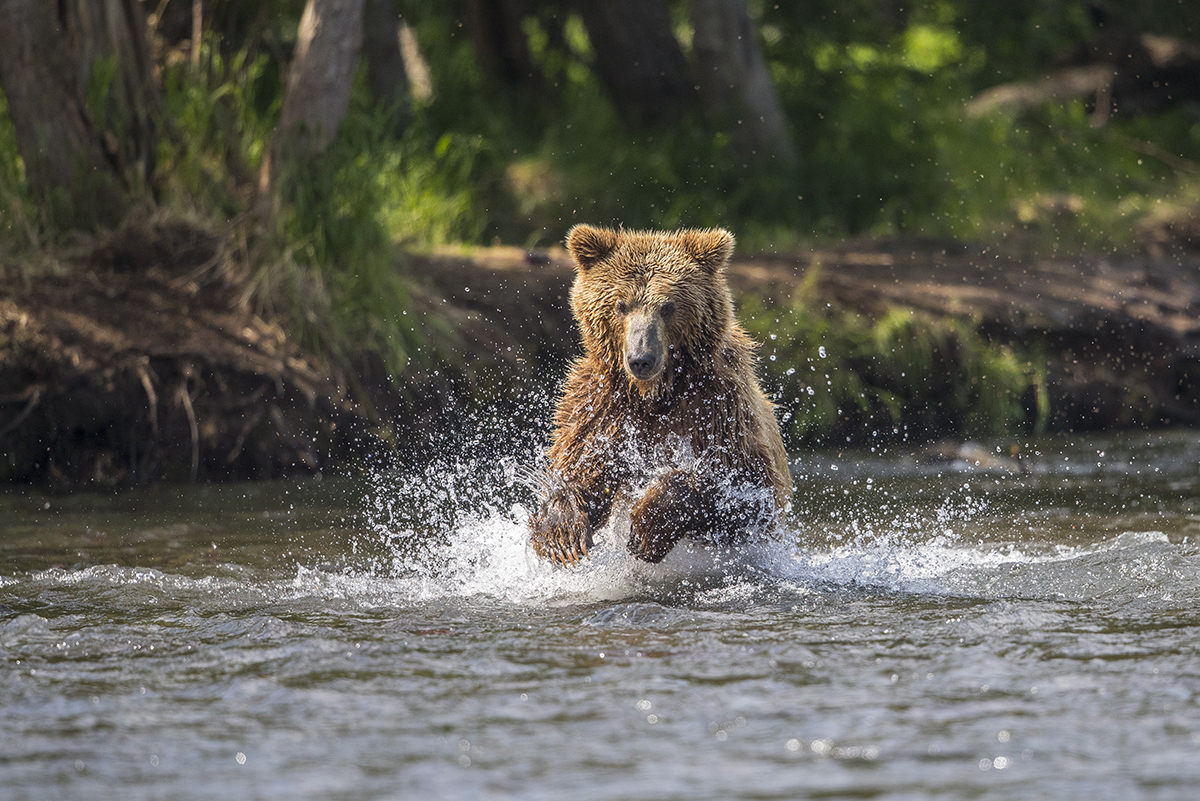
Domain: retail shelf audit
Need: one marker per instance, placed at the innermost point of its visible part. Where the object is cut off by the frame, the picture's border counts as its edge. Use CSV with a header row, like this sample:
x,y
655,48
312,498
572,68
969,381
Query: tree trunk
x,y
735,86
81,96
318,87
502,46
317,95
639,60
386,75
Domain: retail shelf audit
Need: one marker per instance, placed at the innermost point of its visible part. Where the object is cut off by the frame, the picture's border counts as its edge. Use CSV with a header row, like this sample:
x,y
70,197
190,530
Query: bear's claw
x,y
560,547
561,531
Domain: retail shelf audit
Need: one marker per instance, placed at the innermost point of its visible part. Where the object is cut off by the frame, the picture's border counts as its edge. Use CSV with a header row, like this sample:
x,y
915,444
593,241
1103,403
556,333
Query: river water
x,y
945,630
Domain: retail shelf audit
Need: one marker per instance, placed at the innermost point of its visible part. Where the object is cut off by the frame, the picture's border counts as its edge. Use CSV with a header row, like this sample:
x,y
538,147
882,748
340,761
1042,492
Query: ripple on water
x,y
440,658
488,559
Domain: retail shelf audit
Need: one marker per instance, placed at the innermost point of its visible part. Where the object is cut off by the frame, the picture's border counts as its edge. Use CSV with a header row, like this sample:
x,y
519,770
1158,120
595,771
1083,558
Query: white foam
x,y
461,530
491,557
488,557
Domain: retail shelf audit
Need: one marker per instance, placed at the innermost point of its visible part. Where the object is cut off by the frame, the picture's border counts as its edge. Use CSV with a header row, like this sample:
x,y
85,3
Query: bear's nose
x,y
643,347
642,364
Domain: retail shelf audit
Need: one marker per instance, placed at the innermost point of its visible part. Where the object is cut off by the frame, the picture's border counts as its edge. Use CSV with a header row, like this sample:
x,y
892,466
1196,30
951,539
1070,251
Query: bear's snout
x,y
645,355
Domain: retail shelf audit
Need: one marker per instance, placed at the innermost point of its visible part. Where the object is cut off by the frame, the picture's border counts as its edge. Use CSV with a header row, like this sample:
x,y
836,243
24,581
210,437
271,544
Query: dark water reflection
x,y
941,631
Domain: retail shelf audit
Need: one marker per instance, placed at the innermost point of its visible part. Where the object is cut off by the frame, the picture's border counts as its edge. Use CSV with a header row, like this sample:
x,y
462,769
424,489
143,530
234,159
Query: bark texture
x,y
735,85
318,88
81,95
638,60
316,97
382,52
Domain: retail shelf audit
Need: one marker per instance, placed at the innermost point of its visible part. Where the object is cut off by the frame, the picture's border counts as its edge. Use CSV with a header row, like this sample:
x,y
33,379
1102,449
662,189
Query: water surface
x,y
945,630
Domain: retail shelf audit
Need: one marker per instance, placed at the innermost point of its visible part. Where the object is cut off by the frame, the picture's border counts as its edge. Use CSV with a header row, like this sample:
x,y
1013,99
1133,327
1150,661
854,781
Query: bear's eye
x,y
668,309
622,308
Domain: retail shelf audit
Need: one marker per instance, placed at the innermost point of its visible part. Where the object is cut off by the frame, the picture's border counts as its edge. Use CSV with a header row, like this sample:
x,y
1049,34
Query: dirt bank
x,y
1119,336
133,364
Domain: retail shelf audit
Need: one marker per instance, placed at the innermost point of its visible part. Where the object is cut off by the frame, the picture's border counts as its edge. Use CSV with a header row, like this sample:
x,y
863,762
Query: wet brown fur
x,y
707,396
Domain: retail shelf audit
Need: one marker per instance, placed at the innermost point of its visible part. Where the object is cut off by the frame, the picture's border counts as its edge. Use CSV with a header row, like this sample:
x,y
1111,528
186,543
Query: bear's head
x,y
649,302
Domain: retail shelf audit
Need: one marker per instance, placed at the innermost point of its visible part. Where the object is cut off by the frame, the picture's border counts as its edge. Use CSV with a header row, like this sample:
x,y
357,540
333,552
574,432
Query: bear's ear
x,y
588,245
710,248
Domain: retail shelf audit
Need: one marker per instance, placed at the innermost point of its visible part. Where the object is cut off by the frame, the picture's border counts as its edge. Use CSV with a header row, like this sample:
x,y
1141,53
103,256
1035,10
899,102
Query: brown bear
x,y
664,401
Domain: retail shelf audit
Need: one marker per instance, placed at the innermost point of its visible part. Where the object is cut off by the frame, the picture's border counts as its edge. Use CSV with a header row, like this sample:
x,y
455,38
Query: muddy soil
x,y
134,363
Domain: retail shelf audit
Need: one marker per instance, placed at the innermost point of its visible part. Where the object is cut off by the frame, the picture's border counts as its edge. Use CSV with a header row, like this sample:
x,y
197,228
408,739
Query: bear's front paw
x,y
561,531
662,516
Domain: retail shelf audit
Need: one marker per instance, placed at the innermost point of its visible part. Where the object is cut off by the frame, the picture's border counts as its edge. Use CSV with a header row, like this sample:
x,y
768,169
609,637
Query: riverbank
x,y
130,361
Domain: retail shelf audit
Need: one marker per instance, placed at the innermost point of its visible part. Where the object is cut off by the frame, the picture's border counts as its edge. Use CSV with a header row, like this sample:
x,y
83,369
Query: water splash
x,y
457,531
460,531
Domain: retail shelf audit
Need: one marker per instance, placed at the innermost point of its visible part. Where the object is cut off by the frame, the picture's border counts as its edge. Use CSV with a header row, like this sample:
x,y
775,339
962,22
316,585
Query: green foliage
x,y
427,191
221,116
555,152
880,97
1053,178
98,92
16,210
327,266
875,93
876,97
834,373
337,275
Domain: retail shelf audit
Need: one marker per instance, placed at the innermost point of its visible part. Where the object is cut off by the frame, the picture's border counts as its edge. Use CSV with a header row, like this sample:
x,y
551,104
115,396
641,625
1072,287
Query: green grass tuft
x,y
905,375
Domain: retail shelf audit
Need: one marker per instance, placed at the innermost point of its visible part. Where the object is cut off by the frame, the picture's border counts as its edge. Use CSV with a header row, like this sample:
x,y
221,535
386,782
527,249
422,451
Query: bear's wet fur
x,y
664,402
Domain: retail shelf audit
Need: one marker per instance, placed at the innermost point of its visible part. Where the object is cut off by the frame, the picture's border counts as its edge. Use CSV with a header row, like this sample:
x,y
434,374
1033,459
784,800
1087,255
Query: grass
x,y
836,374
18,216
1052,177
326,264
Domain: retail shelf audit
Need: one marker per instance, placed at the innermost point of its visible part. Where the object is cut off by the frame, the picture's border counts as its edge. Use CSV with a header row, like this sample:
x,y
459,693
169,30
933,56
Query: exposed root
x,y
185,400
252,420
35,397
151,396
